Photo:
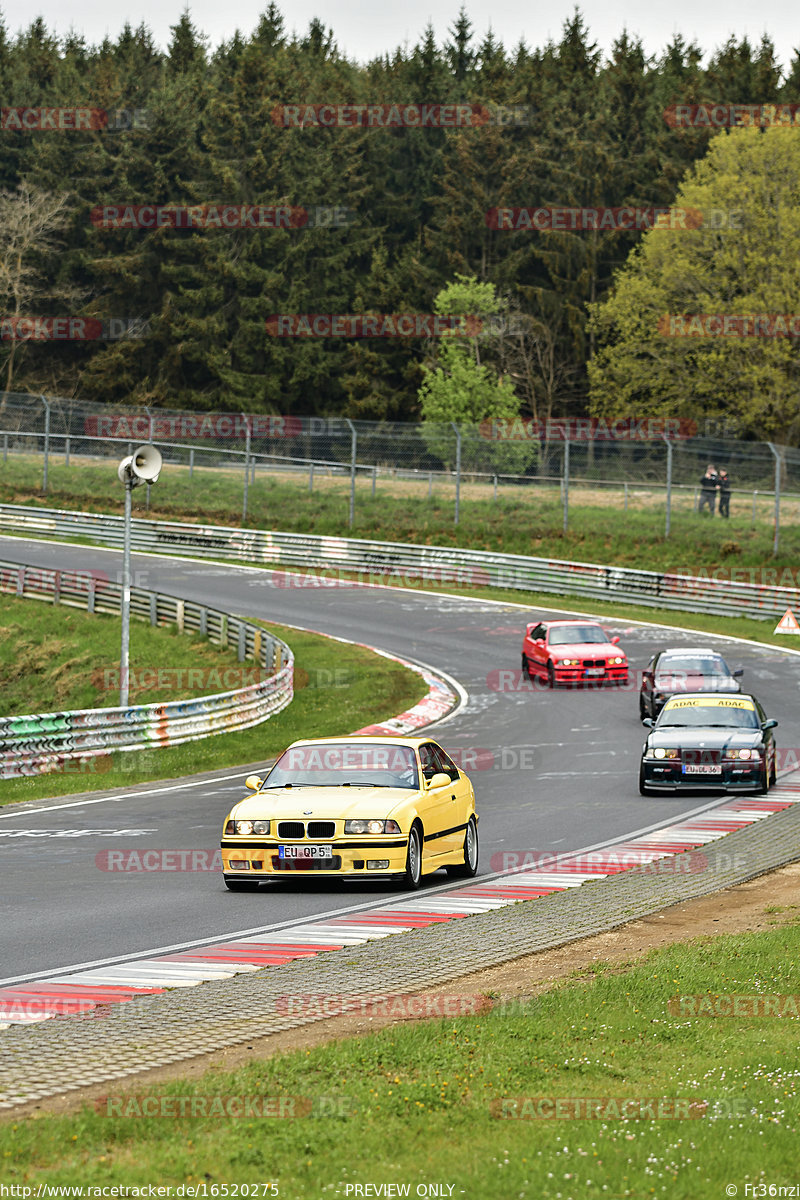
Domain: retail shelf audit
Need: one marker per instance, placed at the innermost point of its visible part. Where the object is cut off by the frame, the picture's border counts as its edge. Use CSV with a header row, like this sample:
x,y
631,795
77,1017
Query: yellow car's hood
x,y
329,803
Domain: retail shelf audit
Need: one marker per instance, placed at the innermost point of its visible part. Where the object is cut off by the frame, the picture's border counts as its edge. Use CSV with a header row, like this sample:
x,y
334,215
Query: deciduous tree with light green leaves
x,y
458,387
743,260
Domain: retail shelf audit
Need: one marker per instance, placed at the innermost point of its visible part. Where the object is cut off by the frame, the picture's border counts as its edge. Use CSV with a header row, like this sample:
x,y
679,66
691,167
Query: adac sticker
x,y
707,703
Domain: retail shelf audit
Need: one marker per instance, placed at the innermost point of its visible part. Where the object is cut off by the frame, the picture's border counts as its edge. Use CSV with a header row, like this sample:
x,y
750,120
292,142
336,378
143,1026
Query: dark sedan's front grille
x,y
321,829
291,829
701,756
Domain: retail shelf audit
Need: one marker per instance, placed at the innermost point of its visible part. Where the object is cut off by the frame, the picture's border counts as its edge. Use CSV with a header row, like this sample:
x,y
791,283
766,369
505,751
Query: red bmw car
x,y
573,652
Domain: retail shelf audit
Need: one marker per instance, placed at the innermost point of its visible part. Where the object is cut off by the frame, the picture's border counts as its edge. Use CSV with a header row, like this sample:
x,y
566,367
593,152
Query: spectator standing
x,y
708,489
724,485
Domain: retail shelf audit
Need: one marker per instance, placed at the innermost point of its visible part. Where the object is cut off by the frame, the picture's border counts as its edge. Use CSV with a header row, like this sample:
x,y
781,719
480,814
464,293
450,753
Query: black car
x,y
676,672
710,742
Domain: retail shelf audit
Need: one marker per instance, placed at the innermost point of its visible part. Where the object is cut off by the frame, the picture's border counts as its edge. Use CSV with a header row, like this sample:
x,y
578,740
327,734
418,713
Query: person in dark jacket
x,y
724,485
708,490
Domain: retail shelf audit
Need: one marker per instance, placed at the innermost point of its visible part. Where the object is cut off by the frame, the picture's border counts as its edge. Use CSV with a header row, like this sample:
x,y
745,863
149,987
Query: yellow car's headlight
x,y
246,828
371,825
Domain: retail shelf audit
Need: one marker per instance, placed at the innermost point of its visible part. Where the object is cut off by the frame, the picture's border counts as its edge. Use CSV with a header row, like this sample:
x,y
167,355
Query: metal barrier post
x,y
353,449
753,517
66,452
458,470
246,465
46,442
311,476
191,463
669,485
777,498
565,484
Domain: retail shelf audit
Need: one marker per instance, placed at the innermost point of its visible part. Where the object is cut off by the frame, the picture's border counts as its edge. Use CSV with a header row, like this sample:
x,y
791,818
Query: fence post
x,y
494,497
5,447
777,498
66,452
625,485
669,485
374,478
753,516
246,465
150,440
46,442
353,451
565,483
311,476
458,469
430,484
191,463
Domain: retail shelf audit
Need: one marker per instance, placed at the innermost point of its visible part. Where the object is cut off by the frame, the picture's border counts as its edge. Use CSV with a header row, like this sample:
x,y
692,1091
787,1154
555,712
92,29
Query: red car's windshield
x,y
572,635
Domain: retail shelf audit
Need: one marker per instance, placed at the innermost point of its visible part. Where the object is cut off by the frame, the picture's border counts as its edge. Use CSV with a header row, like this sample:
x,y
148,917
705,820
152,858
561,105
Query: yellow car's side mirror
x,y
253,782
440,779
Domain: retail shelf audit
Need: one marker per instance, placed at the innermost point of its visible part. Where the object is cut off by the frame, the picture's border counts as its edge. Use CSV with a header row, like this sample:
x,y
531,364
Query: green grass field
x,y
54,658
522,520
423,1103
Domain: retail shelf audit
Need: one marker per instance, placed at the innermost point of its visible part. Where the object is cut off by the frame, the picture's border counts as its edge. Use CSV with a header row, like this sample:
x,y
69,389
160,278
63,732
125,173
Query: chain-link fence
x,y
657,465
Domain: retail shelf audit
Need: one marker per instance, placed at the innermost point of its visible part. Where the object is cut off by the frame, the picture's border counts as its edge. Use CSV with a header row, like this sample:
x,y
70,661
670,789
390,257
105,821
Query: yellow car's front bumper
x,y
247,858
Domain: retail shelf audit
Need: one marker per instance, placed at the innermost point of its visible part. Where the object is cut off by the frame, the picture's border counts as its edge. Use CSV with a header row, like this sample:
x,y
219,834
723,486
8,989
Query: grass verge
x,y
418,1103
338,688
522,520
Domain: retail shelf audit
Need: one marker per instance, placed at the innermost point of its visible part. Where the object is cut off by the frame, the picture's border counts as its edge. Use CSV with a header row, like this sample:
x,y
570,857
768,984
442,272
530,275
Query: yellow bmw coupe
x,y
361,807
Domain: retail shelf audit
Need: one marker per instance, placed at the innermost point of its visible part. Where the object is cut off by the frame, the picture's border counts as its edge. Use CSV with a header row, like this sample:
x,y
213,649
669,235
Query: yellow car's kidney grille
x,y
321,829
291,829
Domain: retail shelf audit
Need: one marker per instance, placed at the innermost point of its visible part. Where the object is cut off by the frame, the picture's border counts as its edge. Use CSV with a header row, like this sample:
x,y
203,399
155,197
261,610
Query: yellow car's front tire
x,y
412,876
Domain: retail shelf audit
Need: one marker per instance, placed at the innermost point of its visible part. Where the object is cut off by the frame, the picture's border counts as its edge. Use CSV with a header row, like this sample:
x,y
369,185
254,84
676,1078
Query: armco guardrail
x,y
417,565
32,745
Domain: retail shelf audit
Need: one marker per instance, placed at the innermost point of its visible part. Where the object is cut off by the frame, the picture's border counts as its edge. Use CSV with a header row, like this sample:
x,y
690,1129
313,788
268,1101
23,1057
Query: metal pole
x,y
626,497
246,464
46,442
430,484
669,485
353,450
565,484
753,517
777,498
150,440
494,497
311,476
458,470
191,463
125,601
5,447
374,479
66,452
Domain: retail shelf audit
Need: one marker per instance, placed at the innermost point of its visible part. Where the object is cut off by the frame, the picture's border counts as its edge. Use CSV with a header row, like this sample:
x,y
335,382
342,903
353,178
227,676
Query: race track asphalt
x,y
554,771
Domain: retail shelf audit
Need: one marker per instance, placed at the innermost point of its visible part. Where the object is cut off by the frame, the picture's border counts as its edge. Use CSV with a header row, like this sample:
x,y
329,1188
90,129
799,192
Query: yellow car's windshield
x,y
342,764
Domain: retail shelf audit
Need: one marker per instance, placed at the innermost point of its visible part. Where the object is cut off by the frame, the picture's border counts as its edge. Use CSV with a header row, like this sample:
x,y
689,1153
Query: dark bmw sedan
x,y
678,672
708,742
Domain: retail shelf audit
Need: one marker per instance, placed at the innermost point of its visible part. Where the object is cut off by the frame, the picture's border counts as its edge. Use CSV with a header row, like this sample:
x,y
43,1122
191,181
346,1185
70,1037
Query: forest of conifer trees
x,y
595,135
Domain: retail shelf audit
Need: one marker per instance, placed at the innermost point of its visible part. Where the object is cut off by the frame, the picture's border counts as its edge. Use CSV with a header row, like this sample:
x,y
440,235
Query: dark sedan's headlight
x,y
246,828
665,752
376,825
741,753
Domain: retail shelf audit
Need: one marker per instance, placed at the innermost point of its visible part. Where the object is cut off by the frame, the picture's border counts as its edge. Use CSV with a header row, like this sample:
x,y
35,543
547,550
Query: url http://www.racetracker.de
x,y
194,1191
